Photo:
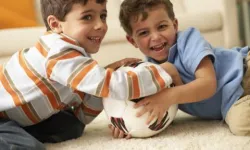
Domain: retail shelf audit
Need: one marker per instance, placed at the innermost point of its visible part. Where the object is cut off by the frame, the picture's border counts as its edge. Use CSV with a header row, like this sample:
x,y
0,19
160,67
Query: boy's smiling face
x,y
86,24
155,35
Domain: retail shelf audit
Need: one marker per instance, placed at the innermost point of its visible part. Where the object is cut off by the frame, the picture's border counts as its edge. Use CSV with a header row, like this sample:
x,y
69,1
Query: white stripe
x,y
90,82
67,67
54,42
165,76
43,108
6,100
36,60
49,40
19,116
22,82
65,93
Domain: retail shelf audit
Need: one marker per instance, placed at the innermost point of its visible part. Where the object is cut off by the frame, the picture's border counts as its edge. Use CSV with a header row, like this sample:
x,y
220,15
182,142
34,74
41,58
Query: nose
x,y
100,25
155,36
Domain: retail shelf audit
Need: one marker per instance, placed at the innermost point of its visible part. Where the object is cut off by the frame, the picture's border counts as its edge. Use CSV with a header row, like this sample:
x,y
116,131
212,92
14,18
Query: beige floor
x,y
186,133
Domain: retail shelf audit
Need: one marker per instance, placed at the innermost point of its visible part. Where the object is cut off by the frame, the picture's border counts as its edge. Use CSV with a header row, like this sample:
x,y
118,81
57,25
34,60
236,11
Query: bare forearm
x,y
203,87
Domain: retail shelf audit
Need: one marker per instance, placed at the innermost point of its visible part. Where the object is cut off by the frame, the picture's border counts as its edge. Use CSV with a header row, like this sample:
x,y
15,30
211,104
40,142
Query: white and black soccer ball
x,y
122,115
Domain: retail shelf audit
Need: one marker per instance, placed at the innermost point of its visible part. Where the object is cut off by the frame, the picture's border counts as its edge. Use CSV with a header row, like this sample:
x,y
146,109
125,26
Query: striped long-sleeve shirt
x,y
56,73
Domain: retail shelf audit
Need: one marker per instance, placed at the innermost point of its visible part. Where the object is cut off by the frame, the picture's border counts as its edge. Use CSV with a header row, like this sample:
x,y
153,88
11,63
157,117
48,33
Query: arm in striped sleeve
x,y
87,107
69,65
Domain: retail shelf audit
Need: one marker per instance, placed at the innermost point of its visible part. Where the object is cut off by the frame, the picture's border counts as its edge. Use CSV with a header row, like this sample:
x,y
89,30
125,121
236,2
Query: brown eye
x,y
103,17
87,17
163,26
143,33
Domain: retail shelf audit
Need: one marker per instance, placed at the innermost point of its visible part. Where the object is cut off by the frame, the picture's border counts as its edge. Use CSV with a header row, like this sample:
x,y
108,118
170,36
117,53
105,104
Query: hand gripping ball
x,y
122,115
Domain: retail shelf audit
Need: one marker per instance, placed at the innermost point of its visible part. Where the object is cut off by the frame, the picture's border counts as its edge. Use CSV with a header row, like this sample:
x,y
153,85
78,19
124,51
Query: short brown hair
x,y
134,8
60,8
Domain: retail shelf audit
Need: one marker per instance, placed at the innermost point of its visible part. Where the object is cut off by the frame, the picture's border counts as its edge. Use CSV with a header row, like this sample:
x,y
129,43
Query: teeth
x,y
95,38
158,46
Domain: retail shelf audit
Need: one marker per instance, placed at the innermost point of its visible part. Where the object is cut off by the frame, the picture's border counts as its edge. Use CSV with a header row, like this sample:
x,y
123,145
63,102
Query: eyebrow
x,y
91,10
166,21
140,30
163,21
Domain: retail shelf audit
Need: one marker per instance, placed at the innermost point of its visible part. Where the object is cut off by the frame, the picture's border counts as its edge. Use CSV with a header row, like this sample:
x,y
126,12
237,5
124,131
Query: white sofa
x,y
216,19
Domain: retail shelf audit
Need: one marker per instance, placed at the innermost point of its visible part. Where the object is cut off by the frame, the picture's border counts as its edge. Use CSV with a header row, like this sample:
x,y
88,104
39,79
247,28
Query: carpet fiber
x,y
185,133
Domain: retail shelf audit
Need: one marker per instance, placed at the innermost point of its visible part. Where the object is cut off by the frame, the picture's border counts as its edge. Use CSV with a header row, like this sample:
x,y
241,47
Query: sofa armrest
x,y
230,21
228,10
13,40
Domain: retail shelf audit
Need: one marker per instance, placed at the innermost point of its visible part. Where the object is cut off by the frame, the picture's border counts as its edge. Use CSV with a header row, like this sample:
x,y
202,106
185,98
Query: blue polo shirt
x,y
187,54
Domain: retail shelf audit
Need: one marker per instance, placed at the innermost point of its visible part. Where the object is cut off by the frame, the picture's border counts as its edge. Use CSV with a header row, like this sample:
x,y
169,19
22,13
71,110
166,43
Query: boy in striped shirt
x,y
49,92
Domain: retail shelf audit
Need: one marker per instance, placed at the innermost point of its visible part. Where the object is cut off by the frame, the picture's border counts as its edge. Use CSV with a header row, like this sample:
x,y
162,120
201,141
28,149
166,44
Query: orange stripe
x,y
135,84
82,74
68,40
10,90
3,115
62,106
53,62
38,83
105,88
41,49
28,113
76,111
81,94
89,110
158,77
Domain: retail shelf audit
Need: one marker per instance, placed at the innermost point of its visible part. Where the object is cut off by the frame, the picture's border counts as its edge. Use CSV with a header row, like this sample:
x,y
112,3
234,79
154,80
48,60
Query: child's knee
x,y
238,117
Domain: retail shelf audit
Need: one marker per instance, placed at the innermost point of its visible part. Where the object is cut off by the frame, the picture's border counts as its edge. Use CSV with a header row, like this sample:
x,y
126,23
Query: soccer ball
x,y
122,115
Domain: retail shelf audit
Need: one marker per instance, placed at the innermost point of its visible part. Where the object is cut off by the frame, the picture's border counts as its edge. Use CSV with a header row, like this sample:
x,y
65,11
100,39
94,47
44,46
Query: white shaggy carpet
x,y
186,133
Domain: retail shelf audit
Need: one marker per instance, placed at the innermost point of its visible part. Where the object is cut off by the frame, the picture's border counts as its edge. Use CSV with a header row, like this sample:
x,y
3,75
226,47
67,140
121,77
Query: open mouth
x,y
159,47
95,39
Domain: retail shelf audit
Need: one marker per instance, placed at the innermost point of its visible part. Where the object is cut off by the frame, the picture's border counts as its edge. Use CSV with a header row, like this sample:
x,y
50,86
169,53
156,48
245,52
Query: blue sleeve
x,y
192,48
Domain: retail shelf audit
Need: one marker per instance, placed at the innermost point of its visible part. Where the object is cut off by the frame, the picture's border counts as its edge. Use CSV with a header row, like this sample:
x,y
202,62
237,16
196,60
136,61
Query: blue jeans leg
x,y
14,137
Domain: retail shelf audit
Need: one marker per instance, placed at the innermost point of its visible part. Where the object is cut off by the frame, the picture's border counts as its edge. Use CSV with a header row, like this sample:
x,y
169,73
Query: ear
x,y
54,24
131,40
175,24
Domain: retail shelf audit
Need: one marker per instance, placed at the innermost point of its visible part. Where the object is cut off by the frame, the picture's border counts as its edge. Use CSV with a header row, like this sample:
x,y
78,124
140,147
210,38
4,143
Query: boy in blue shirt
x,y
215,80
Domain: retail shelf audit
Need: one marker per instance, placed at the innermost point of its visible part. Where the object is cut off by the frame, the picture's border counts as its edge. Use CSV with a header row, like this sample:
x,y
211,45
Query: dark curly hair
x,y
60,8
134,8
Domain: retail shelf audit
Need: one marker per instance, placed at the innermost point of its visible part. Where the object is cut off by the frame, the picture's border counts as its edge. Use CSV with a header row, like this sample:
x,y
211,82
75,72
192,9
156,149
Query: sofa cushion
x,y
178,7
12,16
204,21
11,19
115,32
20,38
204,5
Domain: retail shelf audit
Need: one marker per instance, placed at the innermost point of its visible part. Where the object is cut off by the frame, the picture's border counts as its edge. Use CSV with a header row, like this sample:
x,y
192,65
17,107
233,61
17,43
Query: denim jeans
x,y
13,137
59,127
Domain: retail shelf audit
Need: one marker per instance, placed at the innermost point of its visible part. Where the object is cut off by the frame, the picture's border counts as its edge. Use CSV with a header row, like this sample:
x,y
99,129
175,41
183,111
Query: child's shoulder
x,y
188,32
189,36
